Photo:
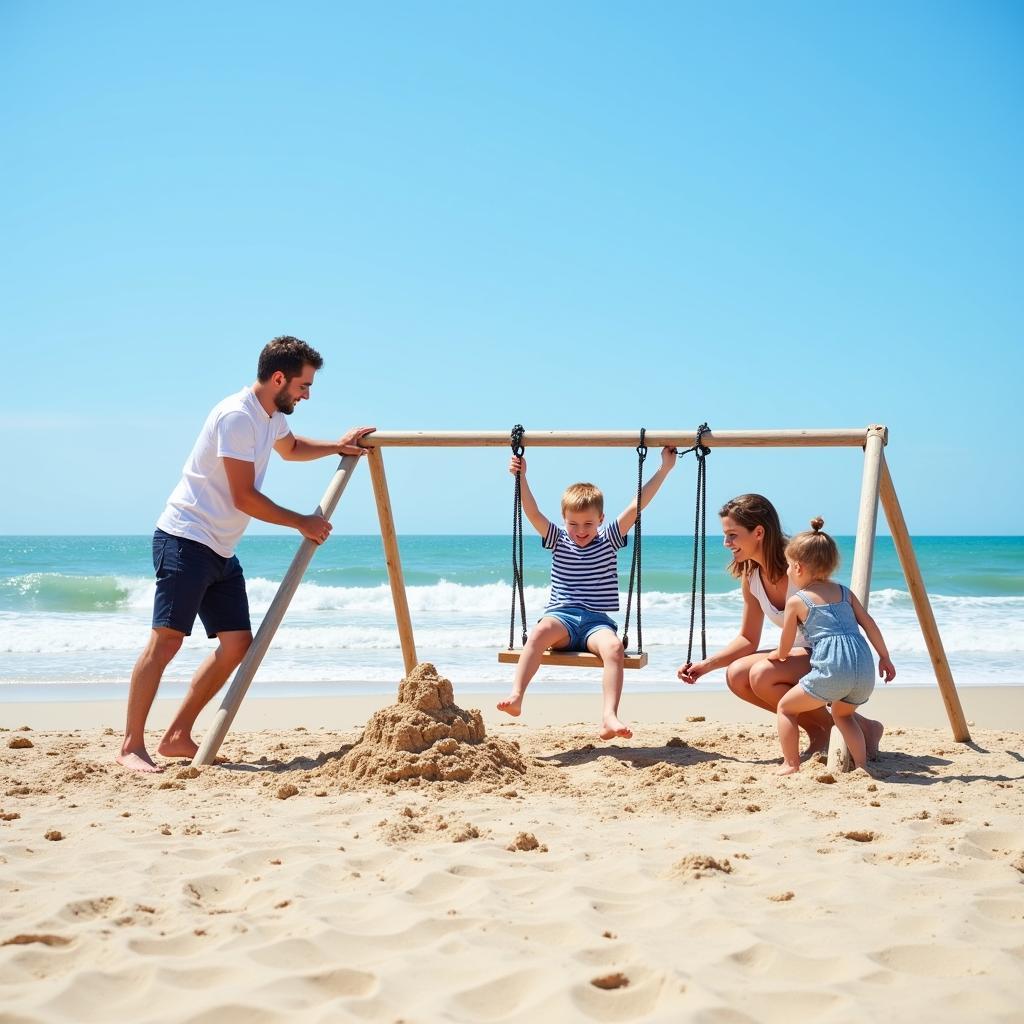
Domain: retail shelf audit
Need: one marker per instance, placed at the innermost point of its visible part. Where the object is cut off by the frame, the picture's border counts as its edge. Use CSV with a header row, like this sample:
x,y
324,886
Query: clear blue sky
x,y
570,215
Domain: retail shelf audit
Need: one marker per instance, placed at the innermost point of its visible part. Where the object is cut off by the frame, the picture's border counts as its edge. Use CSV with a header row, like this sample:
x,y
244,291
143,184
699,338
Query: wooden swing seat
x,y
573,659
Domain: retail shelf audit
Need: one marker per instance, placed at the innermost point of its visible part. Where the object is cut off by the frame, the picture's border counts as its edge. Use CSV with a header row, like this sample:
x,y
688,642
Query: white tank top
x,y
772,613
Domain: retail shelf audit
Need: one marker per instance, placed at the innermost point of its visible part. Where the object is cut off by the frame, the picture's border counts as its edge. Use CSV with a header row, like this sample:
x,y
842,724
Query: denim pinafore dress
x,y
842,667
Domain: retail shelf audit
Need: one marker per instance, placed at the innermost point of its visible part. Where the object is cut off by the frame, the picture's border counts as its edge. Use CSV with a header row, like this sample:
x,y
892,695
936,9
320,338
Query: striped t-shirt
x,y
584,577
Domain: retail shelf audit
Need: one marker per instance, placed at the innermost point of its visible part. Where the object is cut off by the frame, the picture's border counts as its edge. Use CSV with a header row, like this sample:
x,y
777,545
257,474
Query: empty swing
x,y
573,659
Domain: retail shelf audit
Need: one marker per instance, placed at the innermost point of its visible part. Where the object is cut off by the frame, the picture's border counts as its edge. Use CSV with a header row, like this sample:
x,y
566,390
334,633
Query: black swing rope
x,y
517,542
635,569
700,537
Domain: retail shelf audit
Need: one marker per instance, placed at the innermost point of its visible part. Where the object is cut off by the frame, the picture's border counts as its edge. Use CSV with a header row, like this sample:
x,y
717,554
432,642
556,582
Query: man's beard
x,y
284,403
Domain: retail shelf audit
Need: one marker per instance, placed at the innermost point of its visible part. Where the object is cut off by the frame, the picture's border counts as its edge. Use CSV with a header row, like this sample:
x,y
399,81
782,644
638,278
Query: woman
x,y
753,533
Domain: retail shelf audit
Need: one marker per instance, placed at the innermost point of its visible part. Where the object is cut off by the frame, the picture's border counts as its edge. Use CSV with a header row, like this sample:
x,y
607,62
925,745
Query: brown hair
x,y
815,550
287,354
751,510
578,497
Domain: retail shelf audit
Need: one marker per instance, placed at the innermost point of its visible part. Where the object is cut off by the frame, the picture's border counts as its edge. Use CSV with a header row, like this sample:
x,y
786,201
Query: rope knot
x,y
641,448
700,449
517,439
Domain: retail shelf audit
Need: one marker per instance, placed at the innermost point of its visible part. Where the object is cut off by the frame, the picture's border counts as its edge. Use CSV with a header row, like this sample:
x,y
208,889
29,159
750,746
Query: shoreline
x,y
985,707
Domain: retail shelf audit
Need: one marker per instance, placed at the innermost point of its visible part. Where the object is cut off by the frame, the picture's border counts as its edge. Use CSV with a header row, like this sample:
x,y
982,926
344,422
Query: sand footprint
x,y
236,1012
934,961
214,888
1001,911
183,944
94,995
499,998
630,993
88,909
435,886
289,954
996,842
308,990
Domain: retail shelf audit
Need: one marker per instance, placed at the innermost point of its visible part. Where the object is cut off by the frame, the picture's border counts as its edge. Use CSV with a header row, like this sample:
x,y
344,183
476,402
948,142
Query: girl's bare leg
x,y
547,633
769,681
794,703
846,717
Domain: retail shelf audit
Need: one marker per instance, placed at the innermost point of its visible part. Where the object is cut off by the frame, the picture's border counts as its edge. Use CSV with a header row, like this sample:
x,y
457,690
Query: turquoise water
x,y
74,611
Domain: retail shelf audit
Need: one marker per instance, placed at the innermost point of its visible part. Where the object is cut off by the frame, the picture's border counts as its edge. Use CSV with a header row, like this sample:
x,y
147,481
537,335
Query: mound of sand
x,y
426,736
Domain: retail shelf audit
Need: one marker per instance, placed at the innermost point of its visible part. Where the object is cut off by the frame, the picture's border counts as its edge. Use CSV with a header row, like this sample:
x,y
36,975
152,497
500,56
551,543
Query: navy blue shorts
x,y
192,579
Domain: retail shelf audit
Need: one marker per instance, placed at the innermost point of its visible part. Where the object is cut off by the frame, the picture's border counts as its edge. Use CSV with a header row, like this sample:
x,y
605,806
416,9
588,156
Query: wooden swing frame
x,y
876,485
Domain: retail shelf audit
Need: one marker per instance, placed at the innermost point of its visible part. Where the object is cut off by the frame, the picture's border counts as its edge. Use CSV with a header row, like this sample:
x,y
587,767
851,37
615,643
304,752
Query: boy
x,y
584,586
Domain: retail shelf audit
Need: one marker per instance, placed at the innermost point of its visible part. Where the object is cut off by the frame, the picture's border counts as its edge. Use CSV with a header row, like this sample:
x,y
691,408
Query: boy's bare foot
x,y
613,726
138,762
512,705
177,746
788,769
872,737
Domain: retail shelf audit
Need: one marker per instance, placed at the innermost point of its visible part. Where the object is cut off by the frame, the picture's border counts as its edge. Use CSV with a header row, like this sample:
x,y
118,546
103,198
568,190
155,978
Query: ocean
x,y
75,612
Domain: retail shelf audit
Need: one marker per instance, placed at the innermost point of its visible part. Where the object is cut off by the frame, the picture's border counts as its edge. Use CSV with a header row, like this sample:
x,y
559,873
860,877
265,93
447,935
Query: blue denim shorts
x,y
581,623
850,690
192,579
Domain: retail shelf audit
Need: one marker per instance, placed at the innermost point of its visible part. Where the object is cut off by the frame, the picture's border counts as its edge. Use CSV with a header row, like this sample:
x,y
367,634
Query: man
x,y
194,544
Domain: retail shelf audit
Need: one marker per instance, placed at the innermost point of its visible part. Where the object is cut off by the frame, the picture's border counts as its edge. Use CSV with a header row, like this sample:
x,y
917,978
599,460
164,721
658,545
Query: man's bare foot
x,y
177,746
788,769
512,705
872,737
613,726
136,761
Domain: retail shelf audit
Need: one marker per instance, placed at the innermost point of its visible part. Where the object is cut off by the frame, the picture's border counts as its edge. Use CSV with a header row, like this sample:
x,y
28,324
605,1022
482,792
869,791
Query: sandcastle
x,y
426,736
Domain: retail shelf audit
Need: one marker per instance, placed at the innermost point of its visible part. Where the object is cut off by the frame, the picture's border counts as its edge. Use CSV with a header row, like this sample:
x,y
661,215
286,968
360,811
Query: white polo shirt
x,y
200,507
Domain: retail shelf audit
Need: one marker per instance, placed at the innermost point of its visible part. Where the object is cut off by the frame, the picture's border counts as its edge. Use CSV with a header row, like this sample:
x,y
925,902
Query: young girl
x,y
842,671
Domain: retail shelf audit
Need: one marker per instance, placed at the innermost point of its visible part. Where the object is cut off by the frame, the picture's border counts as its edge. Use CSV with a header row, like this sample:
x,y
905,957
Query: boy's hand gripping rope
x,y
635,569
517,541
699,537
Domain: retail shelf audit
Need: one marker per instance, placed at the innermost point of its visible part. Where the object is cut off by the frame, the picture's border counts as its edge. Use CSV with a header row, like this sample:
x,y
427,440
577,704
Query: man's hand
x,y
349,443
314,528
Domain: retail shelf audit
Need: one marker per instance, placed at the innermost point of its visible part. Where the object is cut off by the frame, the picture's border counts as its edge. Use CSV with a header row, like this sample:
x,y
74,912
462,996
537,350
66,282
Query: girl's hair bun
x,y
817,523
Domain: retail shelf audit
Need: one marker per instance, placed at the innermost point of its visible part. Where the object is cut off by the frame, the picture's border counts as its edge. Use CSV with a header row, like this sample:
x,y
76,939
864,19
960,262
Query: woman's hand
x,y
691,672
777,655
517,464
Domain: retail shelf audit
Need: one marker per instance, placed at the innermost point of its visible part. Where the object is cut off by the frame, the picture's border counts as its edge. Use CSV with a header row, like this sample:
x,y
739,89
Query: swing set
x,y
876,486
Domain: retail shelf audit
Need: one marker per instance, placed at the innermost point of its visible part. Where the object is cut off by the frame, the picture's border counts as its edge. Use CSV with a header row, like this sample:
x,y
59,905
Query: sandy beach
x,y
457,868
